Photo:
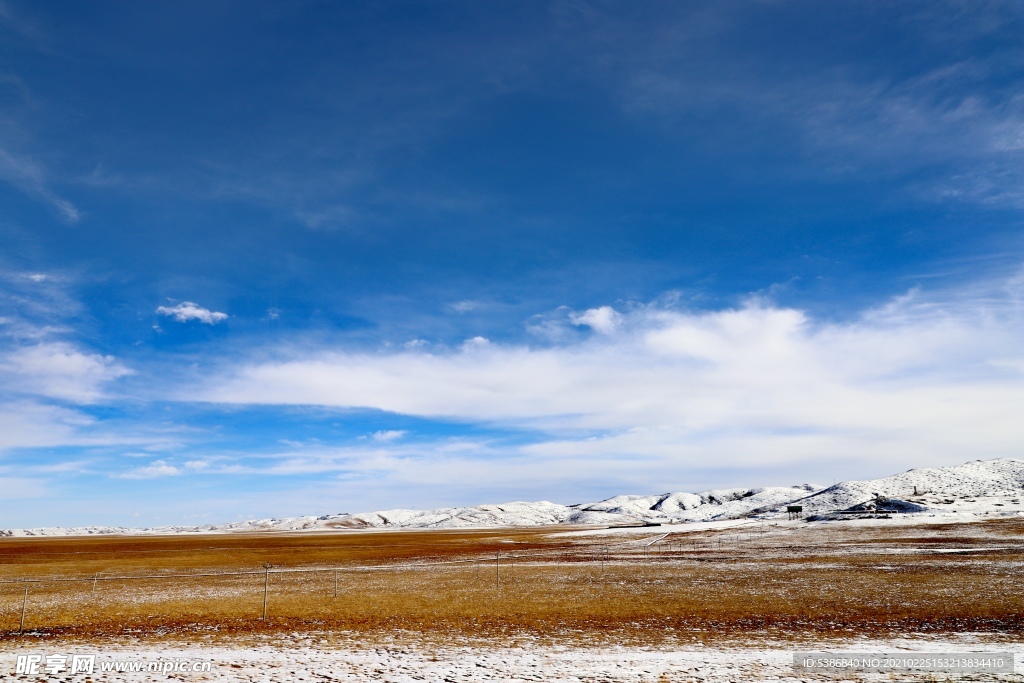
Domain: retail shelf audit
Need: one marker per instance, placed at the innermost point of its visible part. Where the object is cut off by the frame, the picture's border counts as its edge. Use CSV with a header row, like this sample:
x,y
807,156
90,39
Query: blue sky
x,y
267,259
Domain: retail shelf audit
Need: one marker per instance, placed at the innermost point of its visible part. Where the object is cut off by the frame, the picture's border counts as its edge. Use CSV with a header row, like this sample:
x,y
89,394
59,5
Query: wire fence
x,y
664,546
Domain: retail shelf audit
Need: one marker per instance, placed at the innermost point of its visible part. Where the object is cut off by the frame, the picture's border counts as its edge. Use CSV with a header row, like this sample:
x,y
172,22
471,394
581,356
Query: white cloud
x,y
59,370
37,305
604,319
154,470
919,381
464,306
476,343
188,310
552,326
27,424
387,435
30,423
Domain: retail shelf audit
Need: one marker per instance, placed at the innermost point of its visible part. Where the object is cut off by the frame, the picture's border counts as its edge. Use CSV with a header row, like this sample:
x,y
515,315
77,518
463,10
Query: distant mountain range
x,y
981,487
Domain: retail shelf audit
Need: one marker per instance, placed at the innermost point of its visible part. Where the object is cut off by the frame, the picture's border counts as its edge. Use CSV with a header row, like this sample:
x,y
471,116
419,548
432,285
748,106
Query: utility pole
x,y
24,604
266,586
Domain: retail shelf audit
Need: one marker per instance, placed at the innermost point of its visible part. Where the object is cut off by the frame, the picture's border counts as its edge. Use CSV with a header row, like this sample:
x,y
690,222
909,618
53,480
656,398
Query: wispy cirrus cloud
x,y
946,128
28,176
32,424
925,123
968,145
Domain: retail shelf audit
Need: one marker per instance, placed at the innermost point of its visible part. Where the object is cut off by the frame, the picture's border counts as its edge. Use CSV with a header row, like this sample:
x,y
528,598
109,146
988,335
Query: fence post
x,y
497,577
266,585
95,577
24,604
335,583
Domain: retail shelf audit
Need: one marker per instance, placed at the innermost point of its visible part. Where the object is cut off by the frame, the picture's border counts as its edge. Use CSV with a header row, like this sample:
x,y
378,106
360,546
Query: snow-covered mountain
x,y
691,507
979,487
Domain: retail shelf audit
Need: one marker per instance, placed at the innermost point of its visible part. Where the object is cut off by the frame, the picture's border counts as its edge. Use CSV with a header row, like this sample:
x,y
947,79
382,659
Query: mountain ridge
x,y
973,488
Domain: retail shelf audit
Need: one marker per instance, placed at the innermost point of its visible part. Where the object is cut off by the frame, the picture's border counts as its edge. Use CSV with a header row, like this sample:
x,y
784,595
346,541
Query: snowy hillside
x,y
979,487
507,514
697,507
663,509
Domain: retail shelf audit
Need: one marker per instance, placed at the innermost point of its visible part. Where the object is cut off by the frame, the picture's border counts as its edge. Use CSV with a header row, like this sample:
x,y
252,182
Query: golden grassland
x,y
784,580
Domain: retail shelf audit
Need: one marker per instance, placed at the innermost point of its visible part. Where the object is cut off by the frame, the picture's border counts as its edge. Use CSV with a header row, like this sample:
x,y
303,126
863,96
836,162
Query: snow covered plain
x,y
310,657
829,586
990,487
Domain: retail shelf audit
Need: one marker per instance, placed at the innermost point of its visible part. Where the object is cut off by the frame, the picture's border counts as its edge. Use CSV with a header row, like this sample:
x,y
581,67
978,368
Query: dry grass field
x,y
782,581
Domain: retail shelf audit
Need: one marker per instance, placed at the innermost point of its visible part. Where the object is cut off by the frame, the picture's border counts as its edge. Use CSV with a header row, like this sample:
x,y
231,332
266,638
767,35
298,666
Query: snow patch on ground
x,y
304,660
